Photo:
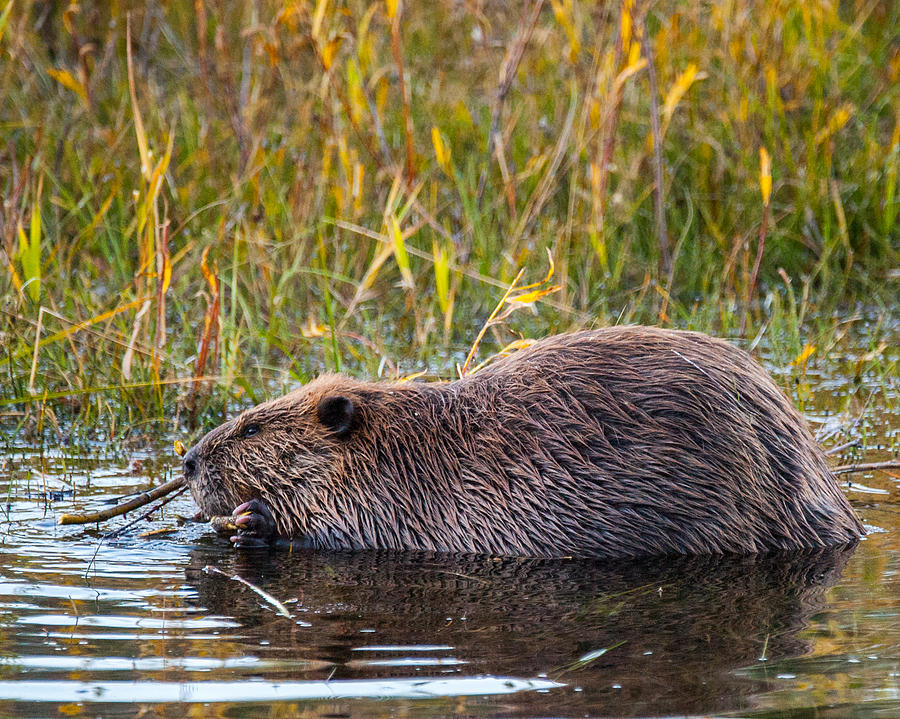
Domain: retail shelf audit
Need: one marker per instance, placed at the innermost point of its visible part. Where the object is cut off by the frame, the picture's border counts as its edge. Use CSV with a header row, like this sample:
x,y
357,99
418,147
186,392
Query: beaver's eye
x,y
250,430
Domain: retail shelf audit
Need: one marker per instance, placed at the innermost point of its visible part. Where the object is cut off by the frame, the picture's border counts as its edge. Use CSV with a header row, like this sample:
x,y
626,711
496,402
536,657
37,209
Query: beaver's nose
x,y
189,464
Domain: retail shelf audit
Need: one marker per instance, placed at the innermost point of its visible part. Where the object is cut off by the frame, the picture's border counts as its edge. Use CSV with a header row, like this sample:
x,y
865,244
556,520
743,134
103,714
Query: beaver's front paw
x,y
255,525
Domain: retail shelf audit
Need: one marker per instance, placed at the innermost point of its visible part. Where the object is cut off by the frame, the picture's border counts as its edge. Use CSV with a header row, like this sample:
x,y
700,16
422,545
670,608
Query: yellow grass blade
x,y
627,23
167,273
30,269
30,248
138,122
802,359
463,371
835,122
533,296
65,78
678,90
4,16
312,329
441,151
372,272
364,43
630,70
564,12
765,175
211,279
159,171
513,346
355,94
400,255
392,6
442,276
329,51
17,281
516,345
101,213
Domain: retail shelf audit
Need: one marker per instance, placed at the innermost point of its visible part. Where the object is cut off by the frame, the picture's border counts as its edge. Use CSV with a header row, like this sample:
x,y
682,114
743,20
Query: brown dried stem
x,y
665,261
407,115
508,74
608,135
754,275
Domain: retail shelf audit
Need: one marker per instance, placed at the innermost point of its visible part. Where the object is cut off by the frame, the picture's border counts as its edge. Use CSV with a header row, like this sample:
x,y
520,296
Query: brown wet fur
x,y
617,442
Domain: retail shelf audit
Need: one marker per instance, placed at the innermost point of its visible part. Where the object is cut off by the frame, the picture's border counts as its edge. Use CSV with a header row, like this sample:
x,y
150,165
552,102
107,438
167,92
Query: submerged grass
x,y
207,202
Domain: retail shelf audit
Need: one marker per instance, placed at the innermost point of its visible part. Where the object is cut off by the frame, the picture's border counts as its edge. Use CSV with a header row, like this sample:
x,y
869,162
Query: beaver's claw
x,y
255,525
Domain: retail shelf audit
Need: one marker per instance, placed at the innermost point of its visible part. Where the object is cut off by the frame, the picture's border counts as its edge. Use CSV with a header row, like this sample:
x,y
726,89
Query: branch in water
x,y
139,501
841,447
866,467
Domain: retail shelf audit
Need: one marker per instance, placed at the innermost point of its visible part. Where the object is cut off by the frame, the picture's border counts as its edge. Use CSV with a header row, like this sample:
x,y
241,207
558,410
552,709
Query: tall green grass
x,y
204,202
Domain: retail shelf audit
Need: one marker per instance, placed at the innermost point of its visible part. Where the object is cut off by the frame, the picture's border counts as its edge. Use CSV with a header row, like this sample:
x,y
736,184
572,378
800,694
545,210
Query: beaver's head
x,y
286,452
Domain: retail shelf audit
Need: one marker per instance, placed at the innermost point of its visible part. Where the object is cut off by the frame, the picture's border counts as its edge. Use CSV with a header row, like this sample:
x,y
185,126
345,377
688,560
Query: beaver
x,y
613,443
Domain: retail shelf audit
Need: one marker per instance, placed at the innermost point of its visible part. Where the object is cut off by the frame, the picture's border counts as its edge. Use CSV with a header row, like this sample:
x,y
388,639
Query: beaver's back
x,y
629,441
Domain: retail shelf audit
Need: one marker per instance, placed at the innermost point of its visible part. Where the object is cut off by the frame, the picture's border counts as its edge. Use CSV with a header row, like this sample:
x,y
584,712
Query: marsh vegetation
x,y
204,203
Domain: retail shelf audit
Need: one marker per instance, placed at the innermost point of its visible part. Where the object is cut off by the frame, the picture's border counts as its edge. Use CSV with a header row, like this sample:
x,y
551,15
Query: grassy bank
x,y
204,202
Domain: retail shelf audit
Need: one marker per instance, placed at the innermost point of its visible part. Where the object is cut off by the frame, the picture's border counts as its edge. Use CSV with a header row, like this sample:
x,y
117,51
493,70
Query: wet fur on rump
x,y
616,442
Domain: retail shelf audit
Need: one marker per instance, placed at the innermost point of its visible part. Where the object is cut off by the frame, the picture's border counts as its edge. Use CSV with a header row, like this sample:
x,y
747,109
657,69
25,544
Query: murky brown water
x,y
135,624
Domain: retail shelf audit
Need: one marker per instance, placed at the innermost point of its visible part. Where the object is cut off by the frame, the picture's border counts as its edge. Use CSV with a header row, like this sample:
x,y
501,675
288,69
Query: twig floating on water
x,y
586,659
866,466
842,447
162,532
139,501
281,609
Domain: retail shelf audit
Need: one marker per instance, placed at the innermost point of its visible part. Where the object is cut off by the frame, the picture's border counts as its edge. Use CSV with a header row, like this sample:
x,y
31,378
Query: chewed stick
x,y
139,501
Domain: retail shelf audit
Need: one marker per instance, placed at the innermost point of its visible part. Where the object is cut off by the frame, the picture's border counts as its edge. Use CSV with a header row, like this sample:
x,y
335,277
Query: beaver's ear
x,y
336,412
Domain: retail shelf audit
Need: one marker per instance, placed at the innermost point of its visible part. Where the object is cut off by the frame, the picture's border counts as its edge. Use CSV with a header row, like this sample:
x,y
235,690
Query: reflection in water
x,y
253,691
679,627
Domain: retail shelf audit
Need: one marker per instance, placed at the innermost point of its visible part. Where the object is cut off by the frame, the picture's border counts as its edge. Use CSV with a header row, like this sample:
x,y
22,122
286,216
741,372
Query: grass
x,y
205,204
